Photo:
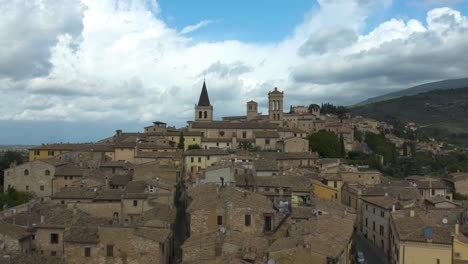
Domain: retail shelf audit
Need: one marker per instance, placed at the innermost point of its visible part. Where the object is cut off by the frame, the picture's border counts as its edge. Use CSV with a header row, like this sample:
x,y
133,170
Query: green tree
x,y
8,158
245,145
194,146
12,198
325,143
342,146
181,144
312,107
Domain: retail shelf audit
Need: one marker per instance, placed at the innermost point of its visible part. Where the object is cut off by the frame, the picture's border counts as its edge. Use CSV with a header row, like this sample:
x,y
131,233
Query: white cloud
x,y
117,60
192,28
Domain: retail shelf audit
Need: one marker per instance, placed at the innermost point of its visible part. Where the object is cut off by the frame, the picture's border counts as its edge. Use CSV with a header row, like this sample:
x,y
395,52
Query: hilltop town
x,y
254,188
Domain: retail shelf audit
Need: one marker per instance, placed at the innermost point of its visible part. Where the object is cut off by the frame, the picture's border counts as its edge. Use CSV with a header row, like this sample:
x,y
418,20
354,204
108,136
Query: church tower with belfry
x,y
204,110
275,106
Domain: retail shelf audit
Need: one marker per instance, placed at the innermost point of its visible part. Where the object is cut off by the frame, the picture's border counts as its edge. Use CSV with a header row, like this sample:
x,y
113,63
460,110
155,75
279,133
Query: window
x,y
53,253
244,134
26,172
373,226
200,114
191,159
438,261
50,153
135,202
208,157
47,172
205,114
87,252
366,222
382,213
267,141
373,210
110,250
221,133
199,159
27,187
433,192
41,187
367,207
220,220
193,139
54,238
65,177
247,220
37,153
335,184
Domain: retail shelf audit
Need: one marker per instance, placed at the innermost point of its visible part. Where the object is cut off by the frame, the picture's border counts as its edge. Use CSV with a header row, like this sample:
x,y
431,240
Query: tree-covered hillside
x,y
442,113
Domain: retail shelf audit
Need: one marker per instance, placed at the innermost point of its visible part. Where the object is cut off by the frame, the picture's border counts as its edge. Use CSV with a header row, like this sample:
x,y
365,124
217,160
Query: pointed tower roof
x,y
204,99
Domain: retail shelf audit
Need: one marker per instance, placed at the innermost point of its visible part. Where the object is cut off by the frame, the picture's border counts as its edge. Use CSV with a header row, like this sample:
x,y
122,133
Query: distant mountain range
x,y
427,87
443,113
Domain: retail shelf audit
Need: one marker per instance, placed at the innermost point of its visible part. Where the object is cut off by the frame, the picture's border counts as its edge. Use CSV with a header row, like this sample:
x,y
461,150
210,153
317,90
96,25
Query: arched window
x,y
200,114
47,172
206,114
26,172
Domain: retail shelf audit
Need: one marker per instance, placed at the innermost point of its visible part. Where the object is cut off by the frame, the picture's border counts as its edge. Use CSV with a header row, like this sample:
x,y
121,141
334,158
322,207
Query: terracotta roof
x,y
431,184
206,152
265,165
412,228
13,231
439,199
210,196
155,234
54,216
159,155
135,187
204,99
160,212
288,155
216,139
120,180
175,133
234,125
294,183
154,146
69,169
75,147
110,195
266,134
327,235
384,202
82,234
74,193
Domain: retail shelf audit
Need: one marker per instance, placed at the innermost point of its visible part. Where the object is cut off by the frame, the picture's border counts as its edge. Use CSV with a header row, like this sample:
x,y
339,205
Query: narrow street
x,y
372,254
180,228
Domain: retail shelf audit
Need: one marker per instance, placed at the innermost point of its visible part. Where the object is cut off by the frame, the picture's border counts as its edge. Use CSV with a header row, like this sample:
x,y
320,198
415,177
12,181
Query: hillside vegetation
x,y
442,113
423,88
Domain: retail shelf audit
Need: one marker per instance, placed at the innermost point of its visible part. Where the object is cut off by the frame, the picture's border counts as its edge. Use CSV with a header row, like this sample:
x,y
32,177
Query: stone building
x,y
36,176
14,239
213,207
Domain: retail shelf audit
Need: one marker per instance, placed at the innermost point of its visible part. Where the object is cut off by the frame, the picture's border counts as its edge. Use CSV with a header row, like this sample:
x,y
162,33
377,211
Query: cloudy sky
x,y
76,70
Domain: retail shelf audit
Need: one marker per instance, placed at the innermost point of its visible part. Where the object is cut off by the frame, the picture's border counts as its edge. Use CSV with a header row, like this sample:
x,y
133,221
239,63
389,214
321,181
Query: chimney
x,y
118,132
393,208
42,219
457,229
411,213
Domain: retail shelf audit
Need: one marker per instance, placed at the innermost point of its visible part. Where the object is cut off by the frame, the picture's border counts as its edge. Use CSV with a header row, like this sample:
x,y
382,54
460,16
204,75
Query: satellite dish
x,y
445,220
222,230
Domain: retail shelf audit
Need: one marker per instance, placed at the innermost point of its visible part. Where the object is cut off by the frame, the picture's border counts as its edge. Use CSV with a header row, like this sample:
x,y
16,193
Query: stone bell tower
x,y
204,110
275,106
